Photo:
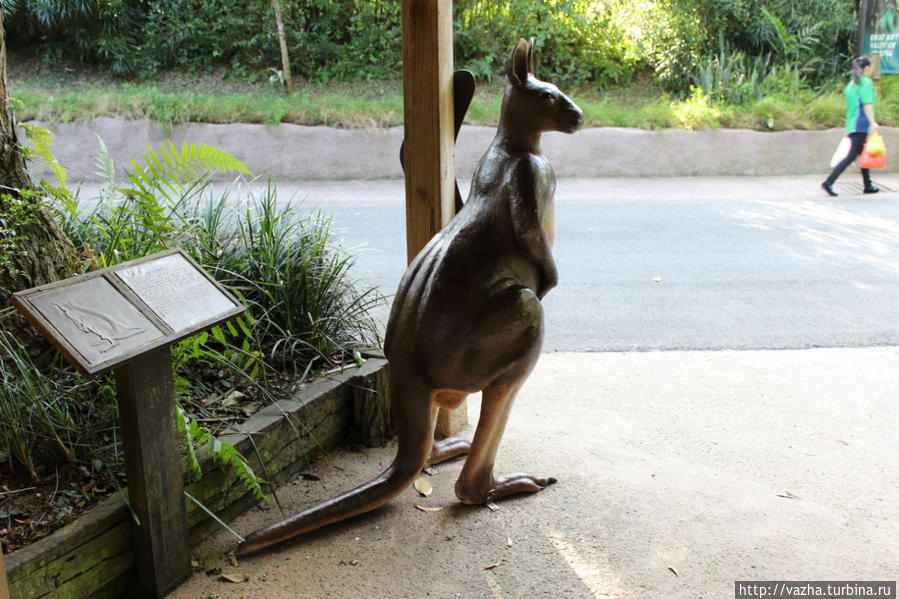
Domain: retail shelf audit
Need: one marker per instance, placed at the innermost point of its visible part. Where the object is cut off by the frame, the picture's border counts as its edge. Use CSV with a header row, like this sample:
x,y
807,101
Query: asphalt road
x,y
687,263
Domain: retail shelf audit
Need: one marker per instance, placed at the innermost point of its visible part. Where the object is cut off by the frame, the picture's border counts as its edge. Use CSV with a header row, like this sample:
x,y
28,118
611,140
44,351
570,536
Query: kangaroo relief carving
x,y
467,315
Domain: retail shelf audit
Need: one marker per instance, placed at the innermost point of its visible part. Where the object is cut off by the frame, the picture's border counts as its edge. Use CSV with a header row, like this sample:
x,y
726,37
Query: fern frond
x,y
184,428
170,169
42,142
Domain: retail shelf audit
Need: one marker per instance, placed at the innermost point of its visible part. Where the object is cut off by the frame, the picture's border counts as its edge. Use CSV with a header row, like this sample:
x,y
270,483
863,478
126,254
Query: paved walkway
x,y
592,189
679,473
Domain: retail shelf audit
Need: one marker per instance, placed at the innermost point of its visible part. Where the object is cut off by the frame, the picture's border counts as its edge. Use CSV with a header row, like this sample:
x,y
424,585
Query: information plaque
x,y
125,317
106,317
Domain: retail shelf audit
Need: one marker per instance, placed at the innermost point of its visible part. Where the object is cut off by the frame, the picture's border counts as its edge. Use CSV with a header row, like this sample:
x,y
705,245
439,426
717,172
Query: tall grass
x,y
738,91
35,411
337,105
303,303
298,285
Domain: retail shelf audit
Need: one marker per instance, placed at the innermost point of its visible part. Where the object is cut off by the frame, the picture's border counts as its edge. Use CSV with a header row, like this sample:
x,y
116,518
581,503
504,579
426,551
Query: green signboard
x,y
881,33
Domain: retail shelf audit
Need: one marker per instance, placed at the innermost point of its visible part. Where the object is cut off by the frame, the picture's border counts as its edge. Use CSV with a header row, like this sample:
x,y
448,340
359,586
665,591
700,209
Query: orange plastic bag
x,y
868,160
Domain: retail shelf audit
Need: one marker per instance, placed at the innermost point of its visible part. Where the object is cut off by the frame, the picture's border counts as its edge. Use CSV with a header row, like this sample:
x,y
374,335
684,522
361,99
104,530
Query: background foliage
x,y
595,42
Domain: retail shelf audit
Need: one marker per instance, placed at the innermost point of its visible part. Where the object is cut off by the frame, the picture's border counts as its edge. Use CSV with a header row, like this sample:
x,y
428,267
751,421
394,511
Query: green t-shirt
x,y
856,95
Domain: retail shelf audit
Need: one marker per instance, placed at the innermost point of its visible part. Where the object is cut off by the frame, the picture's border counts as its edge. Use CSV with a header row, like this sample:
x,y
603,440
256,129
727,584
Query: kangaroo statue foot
x,y
467,315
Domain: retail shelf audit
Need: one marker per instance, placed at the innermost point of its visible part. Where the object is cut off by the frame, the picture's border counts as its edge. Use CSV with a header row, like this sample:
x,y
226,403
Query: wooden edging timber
x,y
92,557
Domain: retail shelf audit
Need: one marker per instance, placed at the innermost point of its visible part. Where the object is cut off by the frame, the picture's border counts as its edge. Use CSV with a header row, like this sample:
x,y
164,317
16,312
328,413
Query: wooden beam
x,y
428,119
145,390
4,589
429,139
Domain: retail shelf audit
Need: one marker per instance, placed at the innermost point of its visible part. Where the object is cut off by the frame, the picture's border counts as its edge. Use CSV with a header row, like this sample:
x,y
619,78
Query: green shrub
x,y
297,285
578,41
574,39
304,306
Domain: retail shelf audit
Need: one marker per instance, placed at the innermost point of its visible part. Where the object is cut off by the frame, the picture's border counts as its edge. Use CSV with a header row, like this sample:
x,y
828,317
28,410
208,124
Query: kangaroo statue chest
x,y
467,315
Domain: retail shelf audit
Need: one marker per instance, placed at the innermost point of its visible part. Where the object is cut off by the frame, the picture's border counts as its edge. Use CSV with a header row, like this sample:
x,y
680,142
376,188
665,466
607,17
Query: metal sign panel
x,y
104,318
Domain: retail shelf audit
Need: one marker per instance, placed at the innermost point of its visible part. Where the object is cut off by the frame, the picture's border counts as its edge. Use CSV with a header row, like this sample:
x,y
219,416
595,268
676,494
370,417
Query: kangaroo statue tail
x,y
414,420
360,500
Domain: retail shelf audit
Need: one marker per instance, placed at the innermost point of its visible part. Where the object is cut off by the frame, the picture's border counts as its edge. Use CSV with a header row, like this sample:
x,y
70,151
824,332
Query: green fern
x,y
171,170
42,142
223,454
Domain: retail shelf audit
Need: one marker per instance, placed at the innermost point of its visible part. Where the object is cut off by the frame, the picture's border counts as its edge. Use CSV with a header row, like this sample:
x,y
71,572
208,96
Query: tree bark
x,y
282,40
44,253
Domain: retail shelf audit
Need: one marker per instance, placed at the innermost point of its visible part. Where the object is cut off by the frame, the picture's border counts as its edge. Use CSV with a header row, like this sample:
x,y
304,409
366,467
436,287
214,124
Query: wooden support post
x,y
145,389
4,588
428,123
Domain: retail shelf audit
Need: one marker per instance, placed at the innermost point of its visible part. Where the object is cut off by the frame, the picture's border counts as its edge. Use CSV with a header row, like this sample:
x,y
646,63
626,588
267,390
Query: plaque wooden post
x,y
145,390
429,139
4,589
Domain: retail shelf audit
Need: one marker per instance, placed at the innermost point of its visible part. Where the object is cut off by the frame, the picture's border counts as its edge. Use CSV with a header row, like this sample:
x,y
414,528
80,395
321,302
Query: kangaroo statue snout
x,y
467,315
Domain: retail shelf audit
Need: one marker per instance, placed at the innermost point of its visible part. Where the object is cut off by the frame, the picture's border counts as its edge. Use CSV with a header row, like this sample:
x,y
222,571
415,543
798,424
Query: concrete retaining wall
x,y
293,152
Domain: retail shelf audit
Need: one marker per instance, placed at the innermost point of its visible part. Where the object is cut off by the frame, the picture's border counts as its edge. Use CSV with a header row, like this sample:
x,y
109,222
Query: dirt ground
x,y
679,473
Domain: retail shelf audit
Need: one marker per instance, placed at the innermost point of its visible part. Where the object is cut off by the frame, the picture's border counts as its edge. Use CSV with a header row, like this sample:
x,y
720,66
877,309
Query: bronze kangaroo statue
x,y
467,315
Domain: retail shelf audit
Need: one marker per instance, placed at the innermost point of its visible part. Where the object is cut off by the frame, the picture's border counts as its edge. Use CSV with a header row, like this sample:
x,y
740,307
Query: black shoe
x,y
871,189
826,187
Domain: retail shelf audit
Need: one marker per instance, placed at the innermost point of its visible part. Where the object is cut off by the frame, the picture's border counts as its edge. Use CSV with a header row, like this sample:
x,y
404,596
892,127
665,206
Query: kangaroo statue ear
x,y
517,63
532,58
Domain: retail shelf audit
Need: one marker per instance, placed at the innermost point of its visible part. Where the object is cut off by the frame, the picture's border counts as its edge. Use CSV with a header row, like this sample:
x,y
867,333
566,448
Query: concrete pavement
x,y
679,473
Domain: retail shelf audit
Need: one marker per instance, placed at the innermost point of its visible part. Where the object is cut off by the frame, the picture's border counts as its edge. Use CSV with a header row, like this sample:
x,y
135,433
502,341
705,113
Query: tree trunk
x,y
282,41
44,253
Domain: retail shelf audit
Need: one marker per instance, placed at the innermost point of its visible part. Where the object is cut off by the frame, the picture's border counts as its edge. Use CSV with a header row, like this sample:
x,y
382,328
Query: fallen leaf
x,y
428,509
491,566
423,487
232,399
673,570
234,578
788,495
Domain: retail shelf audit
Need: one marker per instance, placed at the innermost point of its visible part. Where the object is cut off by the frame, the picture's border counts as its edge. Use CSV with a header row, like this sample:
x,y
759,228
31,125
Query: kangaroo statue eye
x,y
547,96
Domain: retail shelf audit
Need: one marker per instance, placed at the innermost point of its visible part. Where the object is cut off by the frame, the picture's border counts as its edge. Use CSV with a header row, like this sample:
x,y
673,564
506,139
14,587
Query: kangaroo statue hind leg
x,y
467,315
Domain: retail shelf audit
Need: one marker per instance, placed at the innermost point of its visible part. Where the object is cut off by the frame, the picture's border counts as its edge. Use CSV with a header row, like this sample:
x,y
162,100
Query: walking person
x,y
860,121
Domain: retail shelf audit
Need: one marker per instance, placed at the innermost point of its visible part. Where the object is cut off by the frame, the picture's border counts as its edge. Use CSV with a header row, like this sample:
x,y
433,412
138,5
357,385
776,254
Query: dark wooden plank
x,y
4,589
145,389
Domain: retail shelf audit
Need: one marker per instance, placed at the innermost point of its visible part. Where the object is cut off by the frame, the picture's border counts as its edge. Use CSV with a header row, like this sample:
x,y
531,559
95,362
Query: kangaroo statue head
x,y
531,106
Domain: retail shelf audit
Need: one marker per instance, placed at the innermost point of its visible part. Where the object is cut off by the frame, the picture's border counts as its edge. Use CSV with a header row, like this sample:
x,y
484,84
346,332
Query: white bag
x,y
841,152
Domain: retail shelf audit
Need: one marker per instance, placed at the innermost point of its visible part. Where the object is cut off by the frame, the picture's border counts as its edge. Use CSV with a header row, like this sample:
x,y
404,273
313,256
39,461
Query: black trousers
x,y
858,144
